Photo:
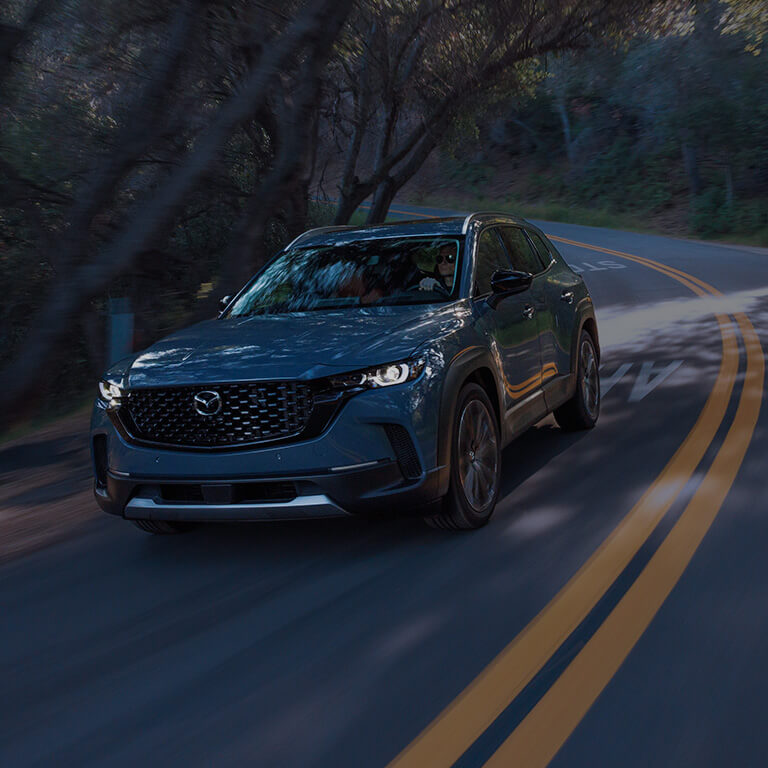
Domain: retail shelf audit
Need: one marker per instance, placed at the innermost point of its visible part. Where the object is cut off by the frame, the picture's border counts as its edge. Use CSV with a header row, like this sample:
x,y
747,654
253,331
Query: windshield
x,y
381,271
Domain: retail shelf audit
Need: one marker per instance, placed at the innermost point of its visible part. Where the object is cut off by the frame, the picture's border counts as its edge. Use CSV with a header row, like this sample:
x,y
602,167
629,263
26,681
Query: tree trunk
x,y
350,200
382,199
362,100
12,37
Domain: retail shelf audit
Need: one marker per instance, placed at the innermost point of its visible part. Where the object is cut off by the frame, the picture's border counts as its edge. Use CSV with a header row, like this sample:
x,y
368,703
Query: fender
x,y
586,312
556,394
460,368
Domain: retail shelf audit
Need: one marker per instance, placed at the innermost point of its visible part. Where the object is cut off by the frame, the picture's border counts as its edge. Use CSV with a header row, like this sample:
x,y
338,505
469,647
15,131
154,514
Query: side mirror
x,y
507,281
224,303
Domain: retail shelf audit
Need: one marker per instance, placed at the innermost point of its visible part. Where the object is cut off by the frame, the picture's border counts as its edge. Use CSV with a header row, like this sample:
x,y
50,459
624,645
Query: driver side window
x,y
491,255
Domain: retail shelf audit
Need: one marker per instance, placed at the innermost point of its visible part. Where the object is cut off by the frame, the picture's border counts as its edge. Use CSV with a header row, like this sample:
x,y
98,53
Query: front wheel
x,y
582,410
475,464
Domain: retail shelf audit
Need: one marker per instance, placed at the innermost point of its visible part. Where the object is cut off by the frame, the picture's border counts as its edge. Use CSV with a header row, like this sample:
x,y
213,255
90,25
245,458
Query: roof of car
x,y
433,226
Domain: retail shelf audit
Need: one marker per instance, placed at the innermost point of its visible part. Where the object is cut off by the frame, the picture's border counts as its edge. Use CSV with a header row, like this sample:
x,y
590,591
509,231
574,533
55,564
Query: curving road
x,y
613,613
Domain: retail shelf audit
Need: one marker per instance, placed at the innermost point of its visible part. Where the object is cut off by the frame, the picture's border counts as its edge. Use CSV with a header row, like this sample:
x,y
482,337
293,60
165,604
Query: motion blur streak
x,y
539,737
470,714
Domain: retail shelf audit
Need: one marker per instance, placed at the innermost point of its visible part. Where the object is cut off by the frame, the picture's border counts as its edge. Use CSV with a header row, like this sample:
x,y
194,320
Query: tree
x,y
413,70
288,52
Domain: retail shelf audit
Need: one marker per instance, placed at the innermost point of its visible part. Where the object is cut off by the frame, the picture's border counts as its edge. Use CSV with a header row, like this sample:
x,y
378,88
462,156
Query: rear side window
x,y
542,247
491,255
522,255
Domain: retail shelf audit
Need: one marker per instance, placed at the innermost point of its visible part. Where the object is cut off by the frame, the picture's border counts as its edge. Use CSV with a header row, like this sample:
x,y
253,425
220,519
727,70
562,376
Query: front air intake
x,y
100,460
405,451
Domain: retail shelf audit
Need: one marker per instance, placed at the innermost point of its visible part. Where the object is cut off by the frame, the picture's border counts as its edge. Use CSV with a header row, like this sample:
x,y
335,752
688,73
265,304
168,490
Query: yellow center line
x,y
470,714
540,735
419,214
659,267
699,287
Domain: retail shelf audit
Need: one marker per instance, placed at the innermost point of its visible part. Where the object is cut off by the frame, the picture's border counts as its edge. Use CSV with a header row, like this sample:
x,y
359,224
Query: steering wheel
x,y
439,287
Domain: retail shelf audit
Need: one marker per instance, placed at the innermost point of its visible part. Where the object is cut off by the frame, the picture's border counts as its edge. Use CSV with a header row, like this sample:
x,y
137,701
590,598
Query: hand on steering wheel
x,y
430,284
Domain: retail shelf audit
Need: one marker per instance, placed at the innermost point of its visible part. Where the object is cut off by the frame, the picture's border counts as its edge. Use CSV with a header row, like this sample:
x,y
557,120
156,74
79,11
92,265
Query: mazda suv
x,y
377,369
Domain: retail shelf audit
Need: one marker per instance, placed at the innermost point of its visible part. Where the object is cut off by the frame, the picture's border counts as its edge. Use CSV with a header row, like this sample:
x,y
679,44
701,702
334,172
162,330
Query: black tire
x,y
161,527
583,409
475,464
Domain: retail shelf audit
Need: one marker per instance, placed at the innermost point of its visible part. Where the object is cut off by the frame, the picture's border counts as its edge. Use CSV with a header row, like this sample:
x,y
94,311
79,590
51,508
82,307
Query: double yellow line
x,y
544,730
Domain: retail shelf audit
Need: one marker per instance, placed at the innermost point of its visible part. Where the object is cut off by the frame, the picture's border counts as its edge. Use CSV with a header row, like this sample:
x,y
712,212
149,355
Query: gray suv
x,y
363,370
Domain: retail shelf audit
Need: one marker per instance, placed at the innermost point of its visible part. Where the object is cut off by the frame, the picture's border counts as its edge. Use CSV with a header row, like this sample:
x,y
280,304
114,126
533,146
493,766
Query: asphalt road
x,y
622,625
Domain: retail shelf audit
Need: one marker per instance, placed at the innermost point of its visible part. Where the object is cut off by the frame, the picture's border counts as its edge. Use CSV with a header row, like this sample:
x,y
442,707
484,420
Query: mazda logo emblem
x,y
207,403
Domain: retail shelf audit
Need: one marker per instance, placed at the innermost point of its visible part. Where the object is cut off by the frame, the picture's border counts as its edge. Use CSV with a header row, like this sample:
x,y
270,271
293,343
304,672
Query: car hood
x,y
298,345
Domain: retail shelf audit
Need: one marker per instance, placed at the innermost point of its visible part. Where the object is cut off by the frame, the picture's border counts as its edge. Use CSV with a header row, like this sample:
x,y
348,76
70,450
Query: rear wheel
x,y
161,527
475,464
583,409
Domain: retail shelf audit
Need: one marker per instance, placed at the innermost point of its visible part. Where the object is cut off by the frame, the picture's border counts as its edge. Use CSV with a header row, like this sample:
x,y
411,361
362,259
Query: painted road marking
x,y
470,714
543,732
603,266
607,384
647,380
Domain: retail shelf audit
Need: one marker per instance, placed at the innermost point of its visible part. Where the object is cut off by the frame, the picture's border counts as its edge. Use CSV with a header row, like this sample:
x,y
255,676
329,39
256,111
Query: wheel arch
x,y
472,365
590,325
587,322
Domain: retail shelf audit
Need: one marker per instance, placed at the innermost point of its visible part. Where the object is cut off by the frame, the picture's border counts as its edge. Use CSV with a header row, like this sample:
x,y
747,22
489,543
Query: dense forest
x,y
670,129
154,154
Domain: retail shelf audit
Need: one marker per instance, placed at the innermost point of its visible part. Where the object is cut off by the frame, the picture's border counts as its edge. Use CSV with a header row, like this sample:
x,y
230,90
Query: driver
x,y
445,268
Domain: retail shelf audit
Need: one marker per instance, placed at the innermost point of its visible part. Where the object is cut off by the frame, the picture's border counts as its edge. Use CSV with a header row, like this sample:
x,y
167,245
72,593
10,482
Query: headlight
x,y
383,376
110,393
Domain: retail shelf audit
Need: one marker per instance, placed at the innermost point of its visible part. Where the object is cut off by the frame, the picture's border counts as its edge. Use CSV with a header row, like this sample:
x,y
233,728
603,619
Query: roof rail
x,y
317,231
471,216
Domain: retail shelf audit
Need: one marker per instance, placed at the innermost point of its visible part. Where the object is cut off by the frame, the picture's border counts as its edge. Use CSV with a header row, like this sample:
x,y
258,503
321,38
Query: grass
x,y
322,213
567,214
759,238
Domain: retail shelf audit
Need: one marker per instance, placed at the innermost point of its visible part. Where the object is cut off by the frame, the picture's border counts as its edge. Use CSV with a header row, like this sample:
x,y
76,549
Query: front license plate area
x,y
221,493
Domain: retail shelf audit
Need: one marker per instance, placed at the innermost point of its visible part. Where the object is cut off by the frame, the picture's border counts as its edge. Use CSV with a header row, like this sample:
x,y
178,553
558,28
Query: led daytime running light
x,y
381,376
110,393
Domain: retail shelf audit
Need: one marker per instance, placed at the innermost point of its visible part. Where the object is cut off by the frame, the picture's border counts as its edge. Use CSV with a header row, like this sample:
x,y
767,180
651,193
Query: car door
x,y
557,323
525,257
511,323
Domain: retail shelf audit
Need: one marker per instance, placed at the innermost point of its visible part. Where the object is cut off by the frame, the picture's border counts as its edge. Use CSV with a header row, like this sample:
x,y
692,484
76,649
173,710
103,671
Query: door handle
x,y
567,297
529,311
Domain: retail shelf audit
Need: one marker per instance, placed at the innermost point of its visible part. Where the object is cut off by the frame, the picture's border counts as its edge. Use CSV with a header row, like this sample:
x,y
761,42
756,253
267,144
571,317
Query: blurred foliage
x,y
749,18
675,120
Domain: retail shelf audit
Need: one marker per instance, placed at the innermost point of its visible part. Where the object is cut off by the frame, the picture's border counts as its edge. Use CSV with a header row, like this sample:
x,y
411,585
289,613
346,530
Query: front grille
x,y
249,413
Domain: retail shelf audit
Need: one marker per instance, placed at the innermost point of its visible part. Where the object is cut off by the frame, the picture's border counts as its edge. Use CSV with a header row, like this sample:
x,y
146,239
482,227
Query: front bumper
x,y
354,467
302,507
380,489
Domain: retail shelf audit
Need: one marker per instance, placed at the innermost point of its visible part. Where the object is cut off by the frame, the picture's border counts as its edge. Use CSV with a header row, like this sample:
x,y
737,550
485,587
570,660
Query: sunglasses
x,y
450,258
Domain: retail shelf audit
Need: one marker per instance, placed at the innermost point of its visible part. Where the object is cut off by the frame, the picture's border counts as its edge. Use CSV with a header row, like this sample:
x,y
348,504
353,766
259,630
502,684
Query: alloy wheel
x,y
478,455
590,385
